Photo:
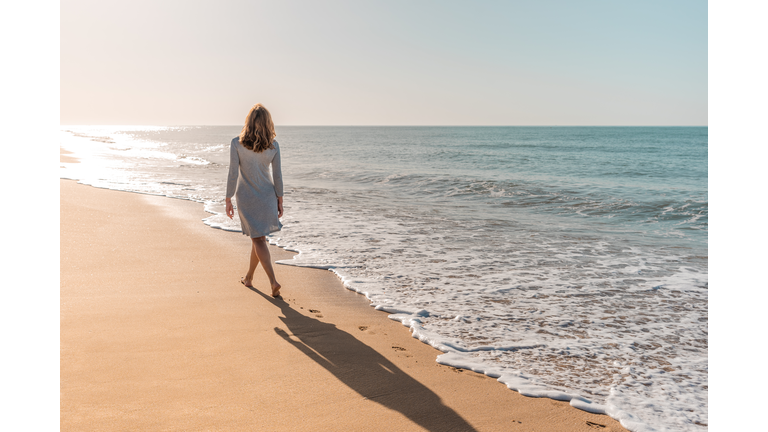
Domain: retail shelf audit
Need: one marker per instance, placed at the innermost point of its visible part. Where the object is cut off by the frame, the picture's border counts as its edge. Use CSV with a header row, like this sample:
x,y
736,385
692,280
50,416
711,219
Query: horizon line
x,y
342,125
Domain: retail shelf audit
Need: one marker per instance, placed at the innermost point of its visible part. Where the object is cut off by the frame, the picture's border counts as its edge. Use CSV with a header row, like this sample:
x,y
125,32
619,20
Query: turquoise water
x,y
570,262
649,180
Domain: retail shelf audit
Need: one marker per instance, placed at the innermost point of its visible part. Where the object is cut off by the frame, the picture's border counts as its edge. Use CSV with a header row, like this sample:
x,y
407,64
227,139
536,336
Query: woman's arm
x,y
234,171
277,179
277,173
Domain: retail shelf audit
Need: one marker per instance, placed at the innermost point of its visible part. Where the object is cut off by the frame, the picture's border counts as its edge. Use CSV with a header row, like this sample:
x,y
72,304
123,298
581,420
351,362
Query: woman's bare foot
x,y
275,289
247,282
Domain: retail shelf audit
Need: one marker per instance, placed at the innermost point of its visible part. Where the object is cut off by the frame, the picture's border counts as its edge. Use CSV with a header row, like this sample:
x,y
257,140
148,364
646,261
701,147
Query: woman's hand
x,y
230,209
279,207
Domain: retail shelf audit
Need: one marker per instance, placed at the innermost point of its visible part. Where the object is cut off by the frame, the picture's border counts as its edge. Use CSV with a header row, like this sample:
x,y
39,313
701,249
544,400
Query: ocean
x,y
568,262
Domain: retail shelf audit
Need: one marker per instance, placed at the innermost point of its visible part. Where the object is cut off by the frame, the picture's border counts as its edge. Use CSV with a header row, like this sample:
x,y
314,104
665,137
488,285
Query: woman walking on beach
x,y
259,198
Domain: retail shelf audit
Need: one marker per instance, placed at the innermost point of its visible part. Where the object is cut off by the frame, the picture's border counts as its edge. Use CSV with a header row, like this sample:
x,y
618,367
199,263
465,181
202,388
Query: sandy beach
x,y
157,333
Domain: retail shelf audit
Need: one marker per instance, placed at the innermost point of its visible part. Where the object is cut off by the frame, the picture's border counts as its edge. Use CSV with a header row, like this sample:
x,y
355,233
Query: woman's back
x,y
254,167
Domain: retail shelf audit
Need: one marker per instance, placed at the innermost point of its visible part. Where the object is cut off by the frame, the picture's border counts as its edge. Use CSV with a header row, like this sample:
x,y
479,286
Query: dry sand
x,y
157,333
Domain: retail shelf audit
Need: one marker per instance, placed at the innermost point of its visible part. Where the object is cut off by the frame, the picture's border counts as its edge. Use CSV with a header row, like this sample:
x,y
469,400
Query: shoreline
x,y
167,344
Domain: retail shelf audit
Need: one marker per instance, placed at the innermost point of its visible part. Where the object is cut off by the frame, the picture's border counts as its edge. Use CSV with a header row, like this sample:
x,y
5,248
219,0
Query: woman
x,y
259,199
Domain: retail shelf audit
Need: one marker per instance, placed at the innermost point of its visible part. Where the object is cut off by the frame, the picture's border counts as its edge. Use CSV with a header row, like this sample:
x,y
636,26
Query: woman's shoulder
x,y
236,145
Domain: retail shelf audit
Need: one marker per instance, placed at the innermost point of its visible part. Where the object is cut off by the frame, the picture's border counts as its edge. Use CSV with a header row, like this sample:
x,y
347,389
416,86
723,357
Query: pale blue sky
x,y
385,63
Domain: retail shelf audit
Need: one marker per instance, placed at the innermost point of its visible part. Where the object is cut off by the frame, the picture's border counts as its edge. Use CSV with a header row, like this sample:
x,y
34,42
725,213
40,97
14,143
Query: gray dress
x,y
256,194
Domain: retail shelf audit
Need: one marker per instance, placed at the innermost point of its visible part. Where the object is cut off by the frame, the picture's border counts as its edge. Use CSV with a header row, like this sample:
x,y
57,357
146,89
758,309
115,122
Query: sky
x,y
164,62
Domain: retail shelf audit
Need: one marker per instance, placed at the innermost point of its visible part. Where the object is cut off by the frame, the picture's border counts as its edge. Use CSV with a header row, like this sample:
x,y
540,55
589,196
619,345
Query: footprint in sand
x,y
363,328
595,425
403,350
316,312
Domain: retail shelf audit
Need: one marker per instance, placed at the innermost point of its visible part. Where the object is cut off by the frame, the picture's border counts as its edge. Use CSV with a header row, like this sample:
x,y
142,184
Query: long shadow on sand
x,y
366,371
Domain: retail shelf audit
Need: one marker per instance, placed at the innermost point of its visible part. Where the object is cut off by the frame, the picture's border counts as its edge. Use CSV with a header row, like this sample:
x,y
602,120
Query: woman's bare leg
x,y
261,248
247,280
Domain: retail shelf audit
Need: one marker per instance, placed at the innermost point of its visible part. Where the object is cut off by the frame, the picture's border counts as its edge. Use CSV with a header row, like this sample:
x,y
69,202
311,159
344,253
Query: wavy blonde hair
x,y
259,131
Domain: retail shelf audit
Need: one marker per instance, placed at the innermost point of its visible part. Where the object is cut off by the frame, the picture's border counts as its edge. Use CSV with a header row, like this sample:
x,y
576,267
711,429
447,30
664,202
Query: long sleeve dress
x,y
256,194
